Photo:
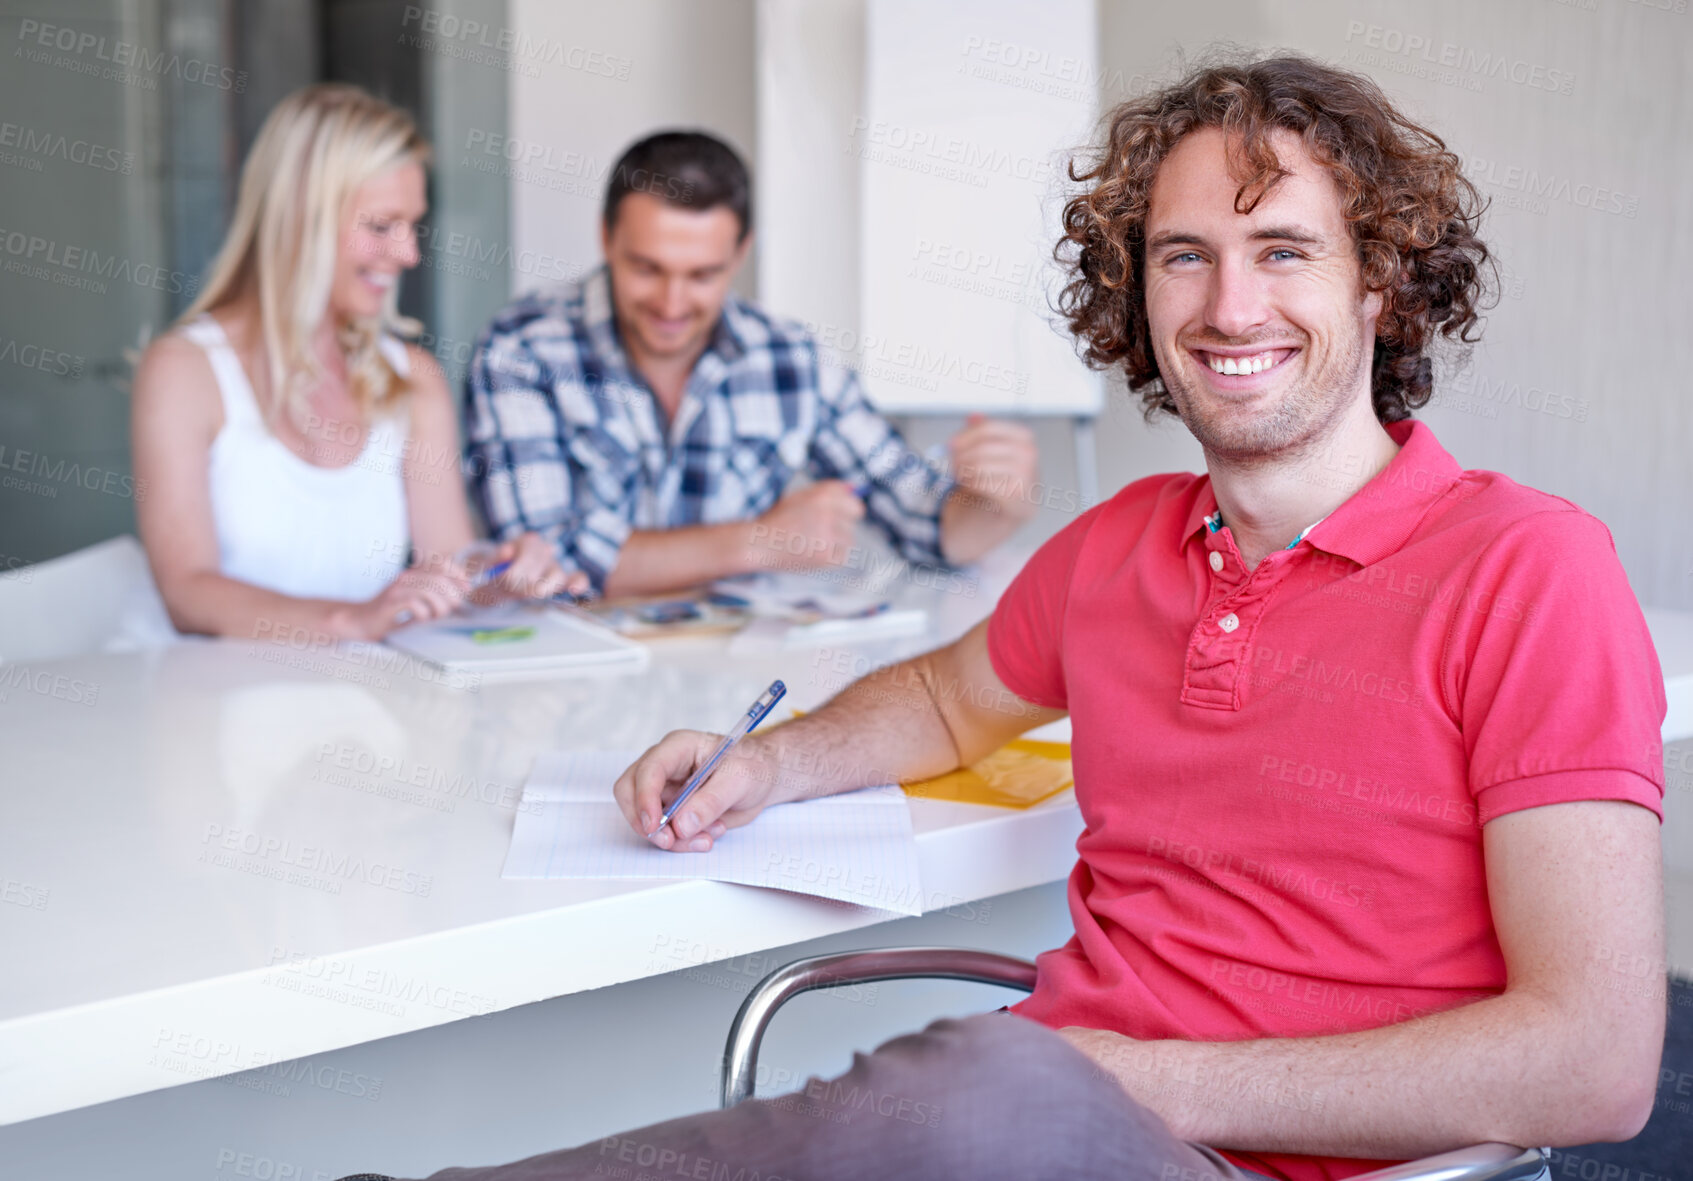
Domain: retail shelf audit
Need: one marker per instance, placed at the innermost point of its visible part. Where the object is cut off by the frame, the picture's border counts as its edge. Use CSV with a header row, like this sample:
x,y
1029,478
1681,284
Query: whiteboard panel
x,y
971,110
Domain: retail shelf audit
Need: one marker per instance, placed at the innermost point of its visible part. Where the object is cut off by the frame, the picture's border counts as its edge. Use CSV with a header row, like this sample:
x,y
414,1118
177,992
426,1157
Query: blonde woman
x,y
295,452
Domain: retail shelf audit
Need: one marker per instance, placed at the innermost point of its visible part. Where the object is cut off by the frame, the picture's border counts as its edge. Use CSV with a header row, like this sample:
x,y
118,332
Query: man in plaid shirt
x,y
648,423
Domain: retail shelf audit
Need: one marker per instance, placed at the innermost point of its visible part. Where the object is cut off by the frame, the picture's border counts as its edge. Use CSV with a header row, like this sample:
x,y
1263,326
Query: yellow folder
x,y
1020,773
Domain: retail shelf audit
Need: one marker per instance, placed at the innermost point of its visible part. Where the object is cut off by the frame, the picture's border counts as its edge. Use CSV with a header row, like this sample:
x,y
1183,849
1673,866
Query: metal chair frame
x,y
1480,1162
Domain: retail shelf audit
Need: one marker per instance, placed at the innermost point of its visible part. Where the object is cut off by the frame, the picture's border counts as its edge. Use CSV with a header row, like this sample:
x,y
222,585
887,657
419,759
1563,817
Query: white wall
x,y
597,77
810,82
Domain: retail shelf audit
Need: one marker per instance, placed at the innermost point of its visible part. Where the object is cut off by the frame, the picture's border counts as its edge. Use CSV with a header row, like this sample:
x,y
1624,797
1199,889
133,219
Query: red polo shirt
x,y
1284,772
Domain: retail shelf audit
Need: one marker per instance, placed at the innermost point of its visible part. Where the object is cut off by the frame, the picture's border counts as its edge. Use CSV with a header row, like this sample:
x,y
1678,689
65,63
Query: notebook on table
x,y
856,847
517,638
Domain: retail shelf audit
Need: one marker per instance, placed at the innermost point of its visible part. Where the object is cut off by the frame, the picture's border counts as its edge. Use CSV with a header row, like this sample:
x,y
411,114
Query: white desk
x,y
142,953
214,859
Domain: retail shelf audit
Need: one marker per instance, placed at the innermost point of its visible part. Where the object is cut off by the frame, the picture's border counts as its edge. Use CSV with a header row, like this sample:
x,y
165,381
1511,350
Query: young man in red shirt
x,y
1366,744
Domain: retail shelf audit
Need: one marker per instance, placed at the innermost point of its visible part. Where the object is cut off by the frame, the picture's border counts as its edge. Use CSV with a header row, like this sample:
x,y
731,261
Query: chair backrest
x,y
94,600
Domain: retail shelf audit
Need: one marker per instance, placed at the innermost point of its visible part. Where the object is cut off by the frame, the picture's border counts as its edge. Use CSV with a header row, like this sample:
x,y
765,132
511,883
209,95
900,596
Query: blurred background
x,y
123,124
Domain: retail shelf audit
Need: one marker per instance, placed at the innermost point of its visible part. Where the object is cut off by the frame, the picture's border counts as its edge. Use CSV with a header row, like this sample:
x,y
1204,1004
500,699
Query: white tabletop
x,y
221,854
218,854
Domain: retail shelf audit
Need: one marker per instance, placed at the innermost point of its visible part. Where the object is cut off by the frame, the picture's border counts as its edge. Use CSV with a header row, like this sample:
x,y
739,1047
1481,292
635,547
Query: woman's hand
x,y
416,595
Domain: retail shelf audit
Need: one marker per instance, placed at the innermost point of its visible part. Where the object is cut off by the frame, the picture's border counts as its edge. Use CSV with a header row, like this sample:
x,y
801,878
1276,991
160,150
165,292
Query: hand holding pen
x,y
483,573
718,785
526,567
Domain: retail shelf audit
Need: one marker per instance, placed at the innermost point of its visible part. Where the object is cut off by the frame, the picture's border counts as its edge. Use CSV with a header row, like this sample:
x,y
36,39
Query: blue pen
x,y
766,702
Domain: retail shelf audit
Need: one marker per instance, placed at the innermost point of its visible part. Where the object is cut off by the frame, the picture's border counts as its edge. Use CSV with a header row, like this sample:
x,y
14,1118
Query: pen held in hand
x,y
755,714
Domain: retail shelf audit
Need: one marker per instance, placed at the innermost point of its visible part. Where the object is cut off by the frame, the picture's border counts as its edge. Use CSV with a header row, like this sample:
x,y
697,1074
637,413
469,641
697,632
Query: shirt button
x,y
1216,560
1229,622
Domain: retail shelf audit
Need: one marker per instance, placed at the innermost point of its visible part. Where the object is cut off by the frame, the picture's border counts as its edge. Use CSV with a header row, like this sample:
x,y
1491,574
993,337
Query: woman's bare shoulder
x,y
175,377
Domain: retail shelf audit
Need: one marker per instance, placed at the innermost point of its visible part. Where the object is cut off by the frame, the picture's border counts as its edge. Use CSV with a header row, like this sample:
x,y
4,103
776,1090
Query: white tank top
x,y
291,526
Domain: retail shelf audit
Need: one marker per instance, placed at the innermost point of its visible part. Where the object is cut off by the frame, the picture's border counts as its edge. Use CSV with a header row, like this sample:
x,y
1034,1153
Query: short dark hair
x,y
1414,216
688,169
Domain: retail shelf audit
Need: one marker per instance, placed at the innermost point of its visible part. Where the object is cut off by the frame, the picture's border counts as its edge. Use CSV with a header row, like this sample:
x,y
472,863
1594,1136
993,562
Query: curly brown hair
x,y
1413,214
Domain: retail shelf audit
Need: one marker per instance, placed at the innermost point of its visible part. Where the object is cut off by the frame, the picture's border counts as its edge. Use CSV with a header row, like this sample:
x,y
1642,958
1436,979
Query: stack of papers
x,y
856,847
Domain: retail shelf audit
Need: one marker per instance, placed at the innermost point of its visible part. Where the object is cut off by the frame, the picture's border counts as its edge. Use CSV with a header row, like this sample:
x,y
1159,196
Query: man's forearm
x,y
909,721
655,561
1501,1069
833,750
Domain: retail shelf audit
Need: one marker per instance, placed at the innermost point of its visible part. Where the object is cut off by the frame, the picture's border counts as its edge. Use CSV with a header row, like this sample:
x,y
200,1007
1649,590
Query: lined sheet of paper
x,y
856,847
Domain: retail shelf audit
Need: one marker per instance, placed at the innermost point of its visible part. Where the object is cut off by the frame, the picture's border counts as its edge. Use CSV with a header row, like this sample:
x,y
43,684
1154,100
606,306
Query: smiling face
x,y
1262,329
378,241
670,273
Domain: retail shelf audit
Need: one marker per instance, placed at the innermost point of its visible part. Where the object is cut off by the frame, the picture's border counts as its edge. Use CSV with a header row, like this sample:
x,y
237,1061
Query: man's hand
x,y
996,463
738,790
812,527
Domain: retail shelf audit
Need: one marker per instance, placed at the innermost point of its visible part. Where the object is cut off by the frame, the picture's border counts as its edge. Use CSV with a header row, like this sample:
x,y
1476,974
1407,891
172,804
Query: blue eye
x,y
1186,254
1284,252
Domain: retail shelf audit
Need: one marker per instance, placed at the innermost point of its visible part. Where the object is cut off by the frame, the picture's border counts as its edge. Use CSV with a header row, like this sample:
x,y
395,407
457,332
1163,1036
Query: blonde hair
x,y
312,154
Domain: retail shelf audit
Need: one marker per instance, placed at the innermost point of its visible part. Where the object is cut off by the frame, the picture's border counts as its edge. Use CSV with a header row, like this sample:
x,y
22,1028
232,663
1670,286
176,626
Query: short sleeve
x,y
1551,672
1026,630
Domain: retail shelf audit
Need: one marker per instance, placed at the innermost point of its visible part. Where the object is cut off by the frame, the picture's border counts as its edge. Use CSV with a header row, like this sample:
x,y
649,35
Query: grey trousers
x,y
988,1098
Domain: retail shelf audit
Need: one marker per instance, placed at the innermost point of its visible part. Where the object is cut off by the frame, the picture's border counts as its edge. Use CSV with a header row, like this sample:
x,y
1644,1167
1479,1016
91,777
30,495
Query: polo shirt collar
x,y
600,319
1380,517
